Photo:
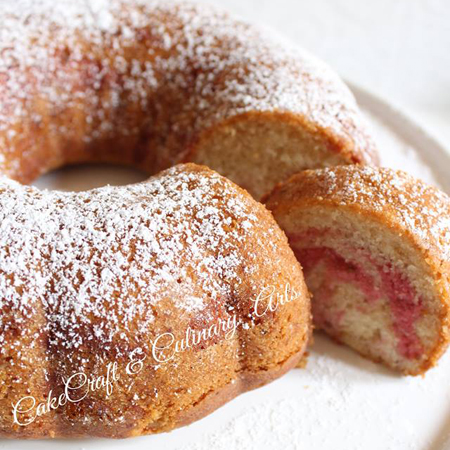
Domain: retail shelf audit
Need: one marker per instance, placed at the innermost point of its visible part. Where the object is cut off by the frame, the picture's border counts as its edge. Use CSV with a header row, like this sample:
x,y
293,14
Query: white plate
x,y
340,401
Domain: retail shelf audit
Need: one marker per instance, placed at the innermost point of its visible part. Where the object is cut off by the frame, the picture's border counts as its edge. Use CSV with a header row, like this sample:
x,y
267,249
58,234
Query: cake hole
x,y
84,177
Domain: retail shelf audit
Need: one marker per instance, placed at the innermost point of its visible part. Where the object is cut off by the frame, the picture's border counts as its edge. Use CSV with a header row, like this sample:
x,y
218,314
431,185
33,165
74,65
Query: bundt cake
x,y
155,83
97,288
375,247
134,310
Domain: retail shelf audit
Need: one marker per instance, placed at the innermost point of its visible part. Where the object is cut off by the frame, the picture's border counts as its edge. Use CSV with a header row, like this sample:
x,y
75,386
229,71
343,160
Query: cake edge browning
x,y
208,405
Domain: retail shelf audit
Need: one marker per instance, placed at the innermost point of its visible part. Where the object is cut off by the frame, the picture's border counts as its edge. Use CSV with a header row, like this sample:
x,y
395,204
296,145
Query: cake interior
x,y
259,150
371,290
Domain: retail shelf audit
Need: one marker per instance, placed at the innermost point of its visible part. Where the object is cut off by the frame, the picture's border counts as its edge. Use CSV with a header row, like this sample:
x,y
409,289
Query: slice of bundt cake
x,y
375,248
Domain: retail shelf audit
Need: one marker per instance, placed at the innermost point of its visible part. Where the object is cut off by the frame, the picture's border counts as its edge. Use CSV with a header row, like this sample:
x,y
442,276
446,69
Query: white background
x,y
399,49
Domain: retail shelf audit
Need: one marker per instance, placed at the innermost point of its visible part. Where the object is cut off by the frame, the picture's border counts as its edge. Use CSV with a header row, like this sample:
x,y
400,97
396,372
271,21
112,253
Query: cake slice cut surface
x,y
374,245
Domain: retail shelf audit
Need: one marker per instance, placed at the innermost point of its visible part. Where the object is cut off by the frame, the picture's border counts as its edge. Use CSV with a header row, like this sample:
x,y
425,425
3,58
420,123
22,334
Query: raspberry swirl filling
x,y
373,280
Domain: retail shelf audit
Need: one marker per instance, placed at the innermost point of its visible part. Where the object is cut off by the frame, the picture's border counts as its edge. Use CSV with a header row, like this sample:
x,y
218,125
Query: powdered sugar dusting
x,y
102,260
419,208
196,62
